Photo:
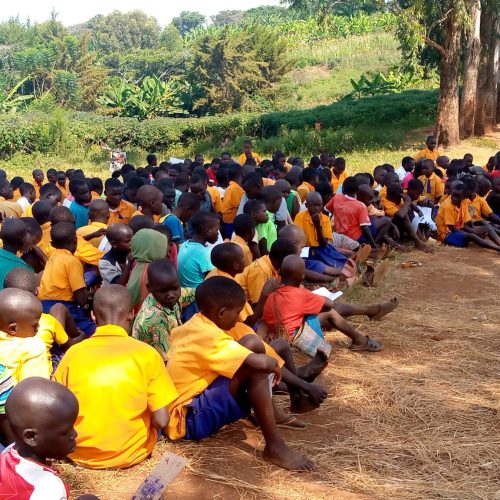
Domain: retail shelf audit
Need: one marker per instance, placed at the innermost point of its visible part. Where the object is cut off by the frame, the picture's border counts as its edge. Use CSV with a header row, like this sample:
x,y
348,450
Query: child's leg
x,y
474,238
257,386
486,230
373,311
405,223
62,314
382,226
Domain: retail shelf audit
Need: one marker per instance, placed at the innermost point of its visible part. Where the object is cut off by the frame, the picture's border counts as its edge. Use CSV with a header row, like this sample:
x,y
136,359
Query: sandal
x,y
292,423
372,345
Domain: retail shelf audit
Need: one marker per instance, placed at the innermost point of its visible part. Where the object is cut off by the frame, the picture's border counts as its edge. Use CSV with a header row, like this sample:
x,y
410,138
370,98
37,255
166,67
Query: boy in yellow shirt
x,y
232,198
243,236
430,152
57,327
454,224
433,184
309,182
339,174
121,385
95,231
220,380
21,351
248,154
478,207
63,281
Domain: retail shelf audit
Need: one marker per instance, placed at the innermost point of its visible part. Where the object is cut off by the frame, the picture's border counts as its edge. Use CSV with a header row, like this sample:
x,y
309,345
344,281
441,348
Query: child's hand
x,y
277,375
316,218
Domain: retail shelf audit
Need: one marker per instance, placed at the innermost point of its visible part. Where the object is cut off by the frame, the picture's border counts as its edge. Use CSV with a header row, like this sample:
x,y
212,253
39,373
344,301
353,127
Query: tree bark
x,y
447,126
471,67
487,78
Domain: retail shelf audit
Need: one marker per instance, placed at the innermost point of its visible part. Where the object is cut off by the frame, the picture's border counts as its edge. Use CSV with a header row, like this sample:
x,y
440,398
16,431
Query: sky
x,y
75,12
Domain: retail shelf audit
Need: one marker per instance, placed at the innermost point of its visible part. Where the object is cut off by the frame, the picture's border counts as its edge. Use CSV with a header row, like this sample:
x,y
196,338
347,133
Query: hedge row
x,y
49,132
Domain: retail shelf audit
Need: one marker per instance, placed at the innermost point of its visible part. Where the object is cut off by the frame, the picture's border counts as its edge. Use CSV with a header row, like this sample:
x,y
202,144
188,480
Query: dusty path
x,y
419,420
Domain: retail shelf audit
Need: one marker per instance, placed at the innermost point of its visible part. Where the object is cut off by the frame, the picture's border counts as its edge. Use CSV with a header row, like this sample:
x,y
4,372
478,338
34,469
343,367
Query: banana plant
x,y
11,101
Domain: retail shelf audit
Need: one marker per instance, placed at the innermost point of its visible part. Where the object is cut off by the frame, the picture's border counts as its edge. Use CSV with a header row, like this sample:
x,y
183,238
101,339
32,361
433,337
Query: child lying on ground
x,y
291,305
41,415
220,380
162,309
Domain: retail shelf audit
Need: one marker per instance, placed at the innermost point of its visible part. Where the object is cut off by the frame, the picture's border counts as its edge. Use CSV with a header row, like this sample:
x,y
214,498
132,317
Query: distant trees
x,y
227,17
187,21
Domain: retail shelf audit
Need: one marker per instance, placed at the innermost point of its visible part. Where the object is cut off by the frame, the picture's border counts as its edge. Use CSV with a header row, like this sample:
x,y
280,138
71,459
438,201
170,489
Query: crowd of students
x,y
165,300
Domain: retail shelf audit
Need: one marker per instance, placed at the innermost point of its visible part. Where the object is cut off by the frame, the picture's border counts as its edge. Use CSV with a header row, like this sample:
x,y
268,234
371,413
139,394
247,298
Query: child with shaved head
x,y
41,414
150,202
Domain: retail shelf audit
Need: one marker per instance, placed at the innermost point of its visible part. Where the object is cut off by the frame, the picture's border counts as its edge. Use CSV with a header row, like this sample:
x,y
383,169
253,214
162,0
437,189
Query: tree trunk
x,y
447,126
471,67
487,78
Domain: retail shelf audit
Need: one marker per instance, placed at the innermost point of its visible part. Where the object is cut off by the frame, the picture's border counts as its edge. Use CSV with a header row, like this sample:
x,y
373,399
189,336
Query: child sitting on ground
x,y
62,281
150,202
228,261
41,414
80,206
113,266
119,209
122,387
243,236
21,351
399,207
220,380
339,174
194,257
454,223
493,198
264,224
433,185
162,309
290,306
95,231
186,207
479,208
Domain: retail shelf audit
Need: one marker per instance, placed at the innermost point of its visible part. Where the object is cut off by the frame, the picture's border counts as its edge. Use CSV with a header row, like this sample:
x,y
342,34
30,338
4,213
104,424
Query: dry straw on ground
x,y
419,420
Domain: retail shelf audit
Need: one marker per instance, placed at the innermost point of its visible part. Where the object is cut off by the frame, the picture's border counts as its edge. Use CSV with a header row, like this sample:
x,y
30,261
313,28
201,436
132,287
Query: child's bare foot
x,y
423,247
303,402
363,253
385,308
310,371
284,457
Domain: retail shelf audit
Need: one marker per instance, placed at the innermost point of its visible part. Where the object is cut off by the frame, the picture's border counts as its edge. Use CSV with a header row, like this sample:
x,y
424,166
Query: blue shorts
x,y
362,239
315,265
82,321
228,229
456,239
313,321
211,410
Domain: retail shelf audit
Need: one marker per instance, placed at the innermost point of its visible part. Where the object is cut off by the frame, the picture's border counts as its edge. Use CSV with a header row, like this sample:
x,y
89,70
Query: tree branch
x,y
435,45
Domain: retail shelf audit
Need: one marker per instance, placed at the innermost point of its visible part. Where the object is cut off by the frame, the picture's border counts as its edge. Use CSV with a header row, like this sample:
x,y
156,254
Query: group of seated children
x,y
168,299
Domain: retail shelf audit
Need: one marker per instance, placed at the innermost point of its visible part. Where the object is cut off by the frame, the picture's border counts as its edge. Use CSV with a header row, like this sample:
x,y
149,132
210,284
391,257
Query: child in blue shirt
x,y
194,257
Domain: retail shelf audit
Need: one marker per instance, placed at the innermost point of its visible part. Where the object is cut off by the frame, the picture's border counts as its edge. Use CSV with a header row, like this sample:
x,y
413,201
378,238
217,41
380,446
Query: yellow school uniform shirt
x,y
427,154
242,159
45,243
199,353
216,199
23,357
433,187
231,202
156,218
85,252
16,194
479,208
247,253
338,181
451,215
241,329
37,189
254,277
89,229
9,208
304,189
118,381
64,191
62,276
443,199
95,196
304,221
268,182
28,212
382,193
122,213
50,331
375,212
391,208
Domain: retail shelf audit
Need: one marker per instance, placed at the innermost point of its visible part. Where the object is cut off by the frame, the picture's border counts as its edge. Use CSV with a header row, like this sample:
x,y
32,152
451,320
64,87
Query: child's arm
x,y
264,363
254,248
160,418
80,297
96,234
403,211
365,229
295,207
263,246
316,218
416,208
269,287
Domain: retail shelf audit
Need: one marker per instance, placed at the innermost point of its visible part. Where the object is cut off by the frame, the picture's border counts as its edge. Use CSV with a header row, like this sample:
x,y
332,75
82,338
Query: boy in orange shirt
x,y
479,206
63,281
430,152
339,174
220,380
232,198
95,231
249,154
309,182
433,185
454,222
119,209
243,236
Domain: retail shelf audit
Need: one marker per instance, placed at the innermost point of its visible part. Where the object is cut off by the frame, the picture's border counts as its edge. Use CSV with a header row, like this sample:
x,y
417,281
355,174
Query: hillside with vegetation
x,y
302,79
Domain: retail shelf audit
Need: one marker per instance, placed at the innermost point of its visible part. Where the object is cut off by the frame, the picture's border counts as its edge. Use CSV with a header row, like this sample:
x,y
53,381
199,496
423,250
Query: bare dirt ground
x,y
419,420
